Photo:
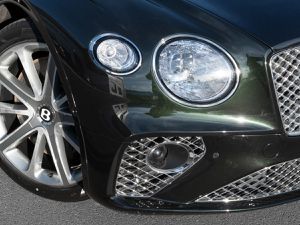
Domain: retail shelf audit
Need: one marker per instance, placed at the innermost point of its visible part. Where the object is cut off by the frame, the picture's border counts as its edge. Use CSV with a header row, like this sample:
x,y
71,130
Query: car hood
x,y
271,21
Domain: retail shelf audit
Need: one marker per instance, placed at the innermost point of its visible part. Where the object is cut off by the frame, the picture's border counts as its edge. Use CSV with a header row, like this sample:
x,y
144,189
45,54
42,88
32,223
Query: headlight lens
x,y
116,54
194,71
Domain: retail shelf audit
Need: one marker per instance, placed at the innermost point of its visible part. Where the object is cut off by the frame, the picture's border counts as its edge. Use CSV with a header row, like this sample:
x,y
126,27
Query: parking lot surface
x,y
19,206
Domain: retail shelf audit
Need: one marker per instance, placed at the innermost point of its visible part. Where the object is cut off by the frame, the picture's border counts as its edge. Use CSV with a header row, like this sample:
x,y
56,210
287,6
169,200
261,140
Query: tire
x,y
56,186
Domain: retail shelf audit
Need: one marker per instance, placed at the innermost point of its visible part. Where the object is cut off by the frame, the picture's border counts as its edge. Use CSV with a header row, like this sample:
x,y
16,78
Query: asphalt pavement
x,y
18,206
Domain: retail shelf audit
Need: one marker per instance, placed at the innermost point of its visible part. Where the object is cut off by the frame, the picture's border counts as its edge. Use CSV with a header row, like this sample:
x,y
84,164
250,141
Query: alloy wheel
x,y
37,130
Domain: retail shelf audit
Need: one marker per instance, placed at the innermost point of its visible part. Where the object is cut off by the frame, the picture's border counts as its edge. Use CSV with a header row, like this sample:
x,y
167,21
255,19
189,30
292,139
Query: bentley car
x,y
152,105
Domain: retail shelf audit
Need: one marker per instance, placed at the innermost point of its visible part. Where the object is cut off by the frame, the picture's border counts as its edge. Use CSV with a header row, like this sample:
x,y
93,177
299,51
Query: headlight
x,y
194,71
116,54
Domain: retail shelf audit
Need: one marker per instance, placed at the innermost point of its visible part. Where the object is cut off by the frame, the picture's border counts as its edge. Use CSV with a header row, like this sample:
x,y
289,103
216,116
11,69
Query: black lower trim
x,y
153,205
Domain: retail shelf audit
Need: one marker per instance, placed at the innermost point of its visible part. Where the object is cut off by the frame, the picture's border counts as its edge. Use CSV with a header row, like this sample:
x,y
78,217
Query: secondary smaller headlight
x,y
116,54
194,71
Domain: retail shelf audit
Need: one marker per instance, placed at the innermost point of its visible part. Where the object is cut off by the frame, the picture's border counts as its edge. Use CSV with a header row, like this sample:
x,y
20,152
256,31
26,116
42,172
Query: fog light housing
x,y
143,172
115,54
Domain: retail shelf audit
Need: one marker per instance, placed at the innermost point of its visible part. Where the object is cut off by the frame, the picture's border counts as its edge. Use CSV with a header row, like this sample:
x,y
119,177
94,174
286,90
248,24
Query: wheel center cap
x,y
46,113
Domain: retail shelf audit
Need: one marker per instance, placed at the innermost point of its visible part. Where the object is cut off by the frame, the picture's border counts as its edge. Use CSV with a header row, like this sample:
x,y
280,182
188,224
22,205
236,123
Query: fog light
x,y
116,54
157,157
168,157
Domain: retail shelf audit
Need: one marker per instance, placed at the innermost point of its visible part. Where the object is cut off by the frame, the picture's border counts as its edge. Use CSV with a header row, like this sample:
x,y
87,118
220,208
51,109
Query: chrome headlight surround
x,y
225,95
94,45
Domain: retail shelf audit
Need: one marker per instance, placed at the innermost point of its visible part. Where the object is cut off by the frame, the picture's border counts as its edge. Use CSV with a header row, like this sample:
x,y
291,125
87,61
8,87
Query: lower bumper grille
x,y
274,180
137,179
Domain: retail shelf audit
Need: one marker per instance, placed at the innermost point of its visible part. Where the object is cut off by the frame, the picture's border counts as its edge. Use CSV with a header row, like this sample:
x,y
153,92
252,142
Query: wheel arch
x,y
11,11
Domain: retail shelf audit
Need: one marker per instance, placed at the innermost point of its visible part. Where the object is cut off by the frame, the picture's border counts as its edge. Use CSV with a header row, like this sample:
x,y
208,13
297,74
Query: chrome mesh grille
x,y
136,179
285,68
278,179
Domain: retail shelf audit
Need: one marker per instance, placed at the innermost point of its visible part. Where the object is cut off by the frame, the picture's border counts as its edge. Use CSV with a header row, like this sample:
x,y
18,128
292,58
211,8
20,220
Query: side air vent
x,y
148,165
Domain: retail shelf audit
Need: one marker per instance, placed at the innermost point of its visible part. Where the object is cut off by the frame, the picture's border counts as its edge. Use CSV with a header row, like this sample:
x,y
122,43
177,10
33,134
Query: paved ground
x,y
18,206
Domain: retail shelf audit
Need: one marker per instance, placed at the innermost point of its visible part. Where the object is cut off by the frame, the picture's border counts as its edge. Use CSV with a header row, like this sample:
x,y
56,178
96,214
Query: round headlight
x,y
194,71
116,54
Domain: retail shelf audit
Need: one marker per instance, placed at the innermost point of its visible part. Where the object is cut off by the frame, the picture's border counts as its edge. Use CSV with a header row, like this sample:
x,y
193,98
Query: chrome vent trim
x,y
274,180
136,179
285,69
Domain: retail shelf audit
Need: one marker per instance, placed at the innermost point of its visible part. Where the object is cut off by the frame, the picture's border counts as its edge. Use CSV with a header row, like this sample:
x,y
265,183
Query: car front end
x,y
203,117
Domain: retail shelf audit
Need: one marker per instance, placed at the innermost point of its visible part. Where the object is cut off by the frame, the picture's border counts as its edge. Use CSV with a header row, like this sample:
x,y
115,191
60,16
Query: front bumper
x,y
230,155
235,148
230,158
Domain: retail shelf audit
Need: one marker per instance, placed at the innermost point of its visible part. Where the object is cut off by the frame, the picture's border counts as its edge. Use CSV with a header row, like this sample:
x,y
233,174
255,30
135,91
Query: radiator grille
x,y
136,179
278,179
285,68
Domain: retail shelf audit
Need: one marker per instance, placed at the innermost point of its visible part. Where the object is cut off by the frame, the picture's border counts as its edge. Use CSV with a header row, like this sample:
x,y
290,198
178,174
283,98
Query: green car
x,y
158,105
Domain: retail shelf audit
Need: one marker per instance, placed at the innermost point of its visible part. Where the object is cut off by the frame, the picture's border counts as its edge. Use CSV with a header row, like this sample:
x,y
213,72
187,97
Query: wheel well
x,y
9,13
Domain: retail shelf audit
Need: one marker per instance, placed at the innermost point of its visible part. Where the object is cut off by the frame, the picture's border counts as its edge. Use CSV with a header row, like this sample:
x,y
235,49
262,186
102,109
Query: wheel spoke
x,y
66,118
59,102
70,138
38,152
57,148
7,108
26,59
49,79
16,137
16,87
3,128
